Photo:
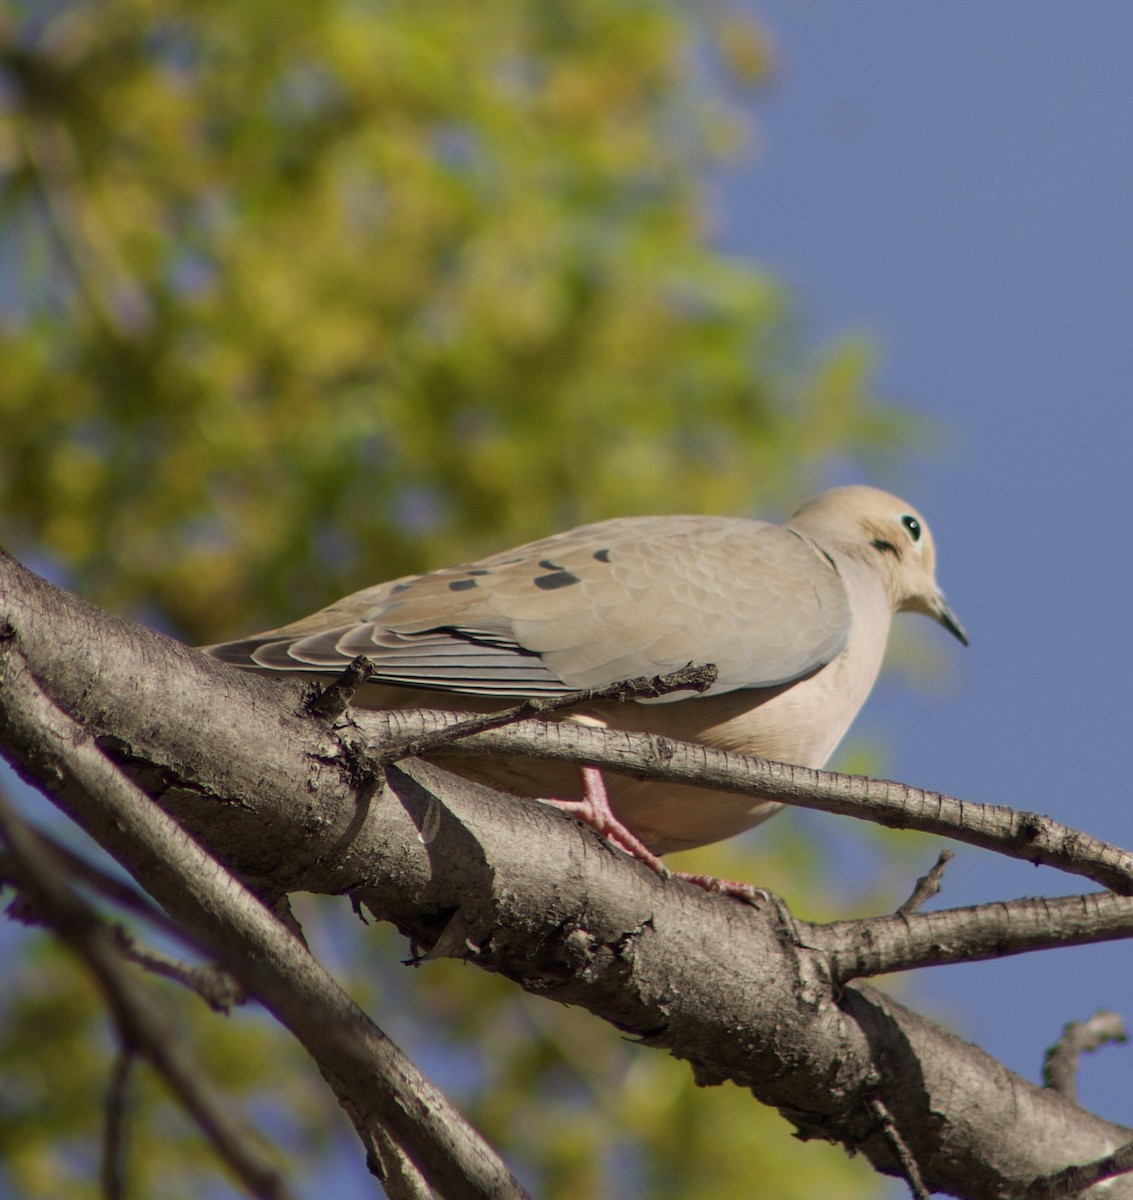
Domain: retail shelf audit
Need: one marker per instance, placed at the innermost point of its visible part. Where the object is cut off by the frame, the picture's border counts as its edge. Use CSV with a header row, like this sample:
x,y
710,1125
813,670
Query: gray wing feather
x,y
605,602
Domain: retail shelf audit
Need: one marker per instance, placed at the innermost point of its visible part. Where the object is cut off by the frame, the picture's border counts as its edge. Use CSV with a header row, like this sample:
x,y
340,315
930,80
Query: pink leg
x,y
594,810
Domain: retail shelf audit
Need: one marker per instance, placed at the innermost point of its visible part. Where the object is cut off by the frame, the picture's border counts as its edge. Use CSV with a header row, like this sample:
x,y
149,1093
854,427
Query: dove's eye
x,y
912,527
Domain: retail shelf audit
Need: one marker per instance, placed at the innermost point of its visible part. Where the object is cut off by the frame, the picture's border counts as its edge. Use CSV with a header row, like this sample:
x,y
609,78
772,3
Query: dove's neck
x,y
848,680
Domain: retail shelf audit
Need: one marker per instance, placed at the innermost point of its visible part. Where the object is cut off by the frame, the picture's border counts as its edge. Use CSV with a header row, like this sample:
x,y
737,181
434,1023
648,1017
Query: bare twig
x,y
121,893
1077,1179
904,1155
113,1170
218,989
215,986
1024,835
144,1025
690,678
1060,1068
928,885
400,1178
879,945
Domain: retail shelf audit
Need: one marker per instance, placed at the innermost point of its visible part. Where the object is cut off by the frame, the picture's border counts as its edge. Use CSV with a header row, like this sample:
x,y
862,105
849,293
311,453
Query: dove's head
x,y
875,527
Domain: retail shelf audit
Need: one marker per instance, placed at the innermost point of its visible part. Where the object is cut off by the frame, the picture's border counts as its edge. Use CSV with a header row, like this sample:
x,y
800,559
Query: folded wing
x,y
601,603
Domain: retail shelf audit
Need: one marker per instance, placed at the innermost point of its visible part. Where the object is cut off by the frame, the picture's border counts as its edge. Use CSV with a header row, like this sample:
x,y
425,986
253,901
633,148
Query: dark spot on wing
x,y
462,585
399,587
558,576
556,579
602,555
478,571
886,547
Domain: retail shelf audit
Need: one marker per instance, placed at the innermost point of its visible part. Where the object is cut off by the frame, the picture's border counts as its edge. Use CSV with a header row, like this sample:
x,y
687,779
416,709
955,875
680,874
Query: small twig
x,y
121,893
897,1143
212,983
1073,1180
112,1174
333,700
1060,1067
393,1168
928,885
644,687
356,908
217,988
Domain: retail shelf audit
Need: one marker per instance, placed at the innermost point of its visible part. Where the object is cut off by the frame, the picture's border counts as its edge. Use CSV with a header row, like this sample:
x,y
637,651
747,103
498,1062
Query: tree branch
x,y
928,885
112,1172
267,959
1025,835
880,945
690,678
1060,1068
1075,1180
908,1162
219,991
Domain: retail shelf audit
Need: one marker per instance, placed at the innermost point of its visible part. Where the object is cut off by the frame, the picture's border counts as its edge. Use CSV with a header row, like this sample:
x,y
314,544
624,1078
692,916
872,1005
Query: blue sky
x,y
957,182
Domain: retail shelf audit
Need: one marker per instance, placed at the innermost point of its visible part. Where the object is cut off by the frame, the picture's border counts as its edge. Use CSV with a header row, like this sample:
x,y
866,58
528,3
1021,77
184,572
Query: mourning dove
x,y
795,617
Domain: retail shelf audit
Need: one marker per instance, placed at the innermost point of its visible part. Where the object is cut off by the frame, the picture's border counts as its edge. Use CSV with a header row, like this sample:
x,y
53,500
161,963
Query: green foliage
x,y
299,296
317,293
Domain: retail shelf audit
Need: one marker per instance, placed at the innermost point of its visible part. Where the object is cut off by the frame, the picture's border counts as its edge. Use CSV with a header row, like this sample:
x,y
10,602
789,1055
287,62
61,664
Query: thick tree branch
x,y
358,1060
289,802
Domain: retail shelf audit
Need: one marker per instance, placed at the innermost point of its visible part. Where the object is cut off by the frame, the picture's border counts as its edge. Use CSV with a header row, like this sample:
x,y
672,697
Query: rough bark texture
x,y
291,802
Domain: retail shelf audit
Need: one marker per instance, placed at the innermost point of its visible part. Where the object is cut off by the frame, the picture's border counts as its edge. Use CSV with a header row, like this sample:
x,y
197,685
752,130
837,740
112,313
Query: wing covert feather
x,y
609,601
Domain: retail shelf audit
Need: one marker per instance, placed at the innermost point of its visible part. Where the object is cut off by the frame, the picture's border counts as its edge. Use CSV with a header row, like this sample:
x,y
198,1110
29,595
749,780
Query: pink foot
x,y
594,810
747,892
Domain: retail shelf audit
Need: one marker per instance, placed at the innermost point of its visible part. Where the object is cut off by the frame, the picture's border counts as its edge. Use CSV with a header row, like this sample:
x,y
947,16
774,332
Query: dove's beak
x,y
944,616
936,607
